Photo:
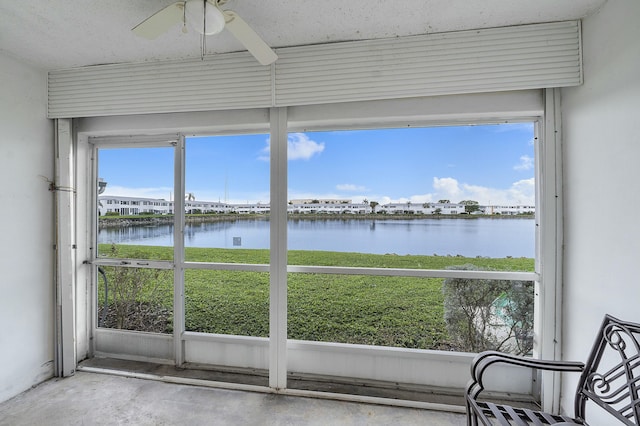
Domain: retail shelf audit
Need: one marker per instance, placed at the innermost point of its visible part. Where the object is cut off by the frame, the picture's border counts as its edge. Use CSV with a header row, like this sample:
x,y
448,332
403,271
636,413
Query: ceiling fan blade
x,y
249,38
160,21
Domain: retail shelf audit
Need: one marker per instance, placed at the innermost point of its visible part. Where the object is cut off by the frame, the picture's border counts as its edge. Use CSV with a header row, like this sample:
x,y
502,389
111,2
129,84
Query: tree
x,y
488,314
470,206
373,205
133,297
437,211
444,201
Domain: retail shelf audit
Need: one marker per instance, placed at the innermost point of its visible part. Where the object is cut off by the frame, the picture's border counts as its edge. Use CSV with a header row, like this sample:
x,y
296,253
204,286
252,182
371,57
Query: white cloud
x,y
299,147
525,188
447,186
350,187
526,163
520,192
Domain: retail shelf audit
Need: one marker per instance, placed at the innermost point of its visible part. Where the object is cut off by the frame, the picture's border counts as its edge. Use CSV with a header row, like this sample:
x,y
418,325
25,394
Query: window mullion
x,y
178,252
278,251
65,244
550,252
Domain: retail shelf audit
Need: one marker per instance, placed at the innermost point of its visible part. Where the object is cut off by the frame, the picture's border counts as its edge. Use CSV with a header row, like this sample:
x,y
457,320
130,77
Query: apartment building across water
x,y
135,206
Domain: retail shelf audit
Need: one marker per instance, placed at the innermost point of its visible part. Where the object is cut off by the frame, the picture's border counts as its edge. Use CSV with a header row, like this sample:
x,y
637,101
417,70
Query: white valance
x,y
489,60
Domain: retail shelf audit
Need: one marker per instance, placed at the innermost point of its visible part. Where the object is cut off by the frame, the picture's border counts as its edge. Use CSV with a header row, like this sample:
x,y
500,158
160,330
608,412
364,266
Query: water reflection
x,y
467,237
149,235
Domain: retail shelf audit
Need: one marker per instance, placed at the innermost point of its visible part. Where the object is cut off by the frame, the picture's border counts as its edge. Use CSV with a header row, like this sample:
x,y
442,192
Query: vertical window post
x,y
278,252
550,255
178,253
64,190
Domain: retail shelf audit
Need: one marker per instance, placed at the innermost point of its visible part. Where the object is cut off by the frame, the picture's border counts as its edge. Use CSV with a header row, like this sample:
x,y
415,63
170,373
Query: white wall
x,y
601,125
26,267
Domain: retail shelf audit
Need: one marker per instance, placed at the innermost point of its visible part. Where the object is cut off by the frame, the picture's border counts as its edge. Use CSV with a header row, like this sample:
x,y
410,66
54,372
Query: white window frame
x,y
278,354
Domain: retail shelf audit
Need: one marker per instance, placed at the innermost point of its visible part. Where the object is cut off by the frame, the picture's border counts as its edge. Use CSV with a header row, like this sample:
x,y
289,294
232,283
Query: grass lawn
x,y
388,311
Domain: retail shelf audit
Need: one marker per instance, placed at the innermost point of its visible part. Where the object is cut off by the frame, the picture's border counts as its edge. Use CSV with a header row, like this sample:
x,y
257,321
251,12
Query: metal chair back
x,y
611,377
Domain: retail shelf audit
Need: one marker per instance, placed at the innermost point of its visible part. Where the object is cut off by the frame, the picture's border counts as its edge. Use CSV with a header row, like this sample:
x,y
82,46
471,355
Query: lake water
x,y
467,237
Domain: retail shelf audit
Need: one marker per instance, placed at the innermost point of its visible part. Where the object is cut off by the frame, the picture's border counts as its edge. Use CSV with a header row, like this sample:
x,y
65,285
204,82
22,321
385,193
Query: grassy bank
x,y
389,311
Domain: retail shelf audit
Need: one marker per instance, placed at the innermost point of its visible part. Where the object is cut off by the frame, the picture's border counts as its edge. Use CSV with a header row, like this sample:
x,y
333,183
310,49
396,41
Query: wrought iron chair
x,y
610,379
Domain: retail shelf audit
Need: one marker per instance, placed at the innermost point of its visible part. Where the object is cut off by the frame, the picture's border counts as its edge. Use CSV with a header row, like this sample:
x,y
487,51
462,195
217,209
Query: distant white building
x,y
250,208
510,210
328,208
420,208
135,206
320,201
192,207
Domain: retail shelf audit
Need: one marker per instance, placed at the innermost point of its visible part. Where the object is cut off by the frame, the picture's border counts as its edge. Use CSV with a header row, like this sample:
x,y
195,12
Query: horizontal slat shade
x,y
489,60
231,81
513,58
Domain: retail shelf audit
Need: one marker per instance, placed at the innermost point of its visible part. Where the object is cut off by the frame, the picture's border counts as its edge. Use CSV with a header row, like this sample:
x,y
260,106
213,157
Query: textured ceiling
x,y
57,34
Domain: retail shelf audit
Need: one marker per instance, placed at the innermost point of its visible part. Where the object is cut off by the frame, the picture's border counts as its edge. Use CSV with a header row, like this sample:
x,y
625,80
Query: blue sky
x,y
492,164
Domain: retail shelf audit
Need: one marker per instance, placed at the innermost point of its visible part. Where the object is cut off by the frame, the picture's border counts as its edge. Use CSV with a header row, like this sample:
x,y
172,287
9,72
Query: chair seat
x,y
505,415
614,385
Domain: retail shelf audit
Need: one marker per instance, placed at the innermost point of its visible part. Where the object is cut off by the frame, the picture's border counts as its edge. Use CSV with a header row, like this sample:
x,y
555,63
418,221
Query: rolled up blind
x,y
488,60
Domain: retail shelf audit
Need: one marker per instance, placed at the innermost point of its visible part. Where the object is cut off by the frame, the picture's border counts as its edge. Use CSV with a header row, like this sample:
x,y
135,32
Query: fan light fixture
x,y
206,18
203,17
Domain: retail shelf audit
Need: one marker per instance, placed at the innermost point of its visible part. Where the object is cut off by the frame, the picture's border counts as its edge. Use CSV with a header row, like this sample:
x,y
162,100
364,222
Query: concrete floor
x,y
100,399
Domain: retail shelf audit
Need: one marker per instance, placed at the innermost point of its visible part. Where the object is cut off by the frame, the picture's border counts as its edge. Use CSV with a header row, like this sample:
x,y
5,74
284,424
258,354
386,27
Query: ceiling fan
x,y
207,18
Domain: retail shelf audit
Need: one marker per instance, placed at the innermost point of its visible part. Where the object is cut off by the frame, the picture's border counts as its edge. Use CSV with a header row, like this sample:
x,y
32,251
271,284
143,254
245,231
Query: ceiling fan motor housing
x,y
203,17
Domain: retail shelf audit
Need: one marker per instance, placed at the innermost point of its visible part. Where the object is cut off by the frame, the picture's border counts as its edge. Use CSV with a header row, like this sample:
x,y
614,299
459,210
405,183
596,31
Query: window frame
x,y
534,105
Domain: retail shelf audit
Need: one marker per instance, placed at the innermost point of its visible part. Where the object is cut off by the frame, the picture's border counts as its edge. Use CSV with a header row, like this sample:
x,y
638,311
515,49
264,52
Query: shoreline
x,y
125,221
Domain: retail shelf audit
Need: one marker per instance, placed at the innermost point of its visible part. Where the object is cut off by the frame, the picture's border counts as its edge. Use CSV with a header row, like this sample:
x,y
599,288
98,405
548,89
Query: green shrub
x,y
137,298
488,314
